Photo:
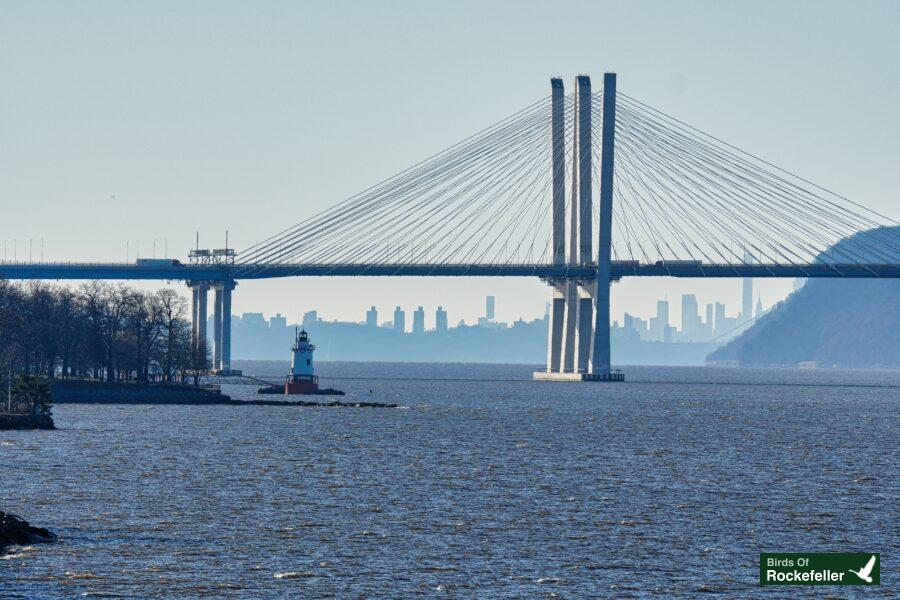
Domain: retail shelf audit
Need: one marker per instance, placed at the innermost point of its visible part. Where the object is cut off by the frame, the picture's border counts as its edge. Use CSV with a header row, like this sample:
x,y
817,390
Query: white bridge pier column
x,y
570,327
217,328
556,329
558,171
227,287
584,335
601,363
199,293
580,313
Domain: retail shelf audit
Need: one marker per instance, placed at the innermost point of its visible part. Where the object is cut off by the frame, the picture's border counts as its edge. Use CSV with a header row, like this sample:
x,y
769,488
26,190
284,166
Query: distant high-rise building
x,y
690,316
759,306
440,320
278,322
747,292
419,321
709,317
254,320
629,329
720,317
399,320
668,334
659,323
372,317
662,311
310,318
641,326
489,308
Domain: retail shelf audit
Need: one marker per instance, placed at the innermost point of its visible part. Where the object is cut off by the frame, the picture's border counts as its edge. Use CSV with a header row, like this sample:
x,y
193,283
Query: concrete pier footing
x,y
611,376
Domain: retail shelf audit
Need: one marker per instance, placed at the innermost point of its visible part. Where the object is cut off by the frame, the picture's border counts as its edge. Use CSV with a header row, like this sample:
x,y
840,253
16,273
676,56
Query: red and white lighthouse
x,y
302,379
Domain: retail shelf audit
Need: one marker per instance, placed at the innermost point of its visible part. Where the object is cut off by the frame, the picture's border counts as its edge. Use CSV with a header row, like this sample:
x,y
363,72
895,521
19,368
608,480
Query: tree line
x,y
98,330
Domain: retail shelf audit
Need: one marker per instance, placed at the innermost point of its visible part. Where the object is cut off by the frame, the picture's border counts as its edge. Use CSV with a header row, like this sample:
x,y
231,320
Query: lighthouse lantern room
x,y
302,379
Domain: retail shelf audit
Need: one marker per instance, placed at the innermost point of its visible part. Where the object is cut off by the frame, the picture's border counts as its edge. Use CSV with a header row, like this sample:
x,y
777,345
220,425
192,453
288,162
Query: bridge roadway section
x,y
620,269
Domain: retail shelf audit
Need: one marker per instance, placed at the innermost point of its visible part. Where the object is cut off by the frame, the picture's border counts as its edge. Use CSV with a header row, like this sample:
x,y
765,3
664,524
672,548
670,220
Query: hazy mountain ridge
x,y
847,323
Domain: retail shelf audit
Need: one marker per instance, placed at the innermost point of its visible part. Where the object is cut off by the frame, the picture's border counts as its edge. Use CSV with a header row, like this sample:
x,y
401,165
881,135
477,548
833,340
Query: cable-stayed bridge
x,y
579,190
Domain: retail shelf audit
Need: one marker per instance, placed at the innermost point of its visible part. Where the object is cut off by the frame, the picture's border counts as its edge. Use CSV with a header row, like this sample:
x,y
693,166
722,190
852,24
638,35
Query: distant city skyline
x,y
662,326
484,340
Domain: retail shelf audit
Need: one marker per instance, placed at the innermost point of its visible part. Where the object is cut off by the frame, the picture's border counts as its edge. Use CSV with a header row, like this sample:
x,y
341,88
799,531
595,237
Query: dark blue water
x,y
659,487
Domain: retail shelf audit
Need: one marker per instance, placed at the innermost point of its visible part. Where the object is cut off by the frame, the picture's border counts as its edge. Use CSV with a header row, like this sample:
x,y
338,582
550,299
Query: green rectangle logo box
x,y
819,568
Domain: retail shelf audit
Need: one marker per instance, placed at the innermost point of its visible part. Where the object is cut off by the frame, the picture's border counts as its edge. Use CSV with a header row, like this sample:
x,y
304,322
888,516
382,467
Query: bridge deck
x,y
620,269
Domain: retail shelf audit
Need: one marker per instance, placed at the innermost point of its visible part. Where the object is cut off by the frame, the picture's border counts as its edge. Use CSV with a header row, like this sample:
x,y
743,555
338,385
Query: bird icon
x,y
864,573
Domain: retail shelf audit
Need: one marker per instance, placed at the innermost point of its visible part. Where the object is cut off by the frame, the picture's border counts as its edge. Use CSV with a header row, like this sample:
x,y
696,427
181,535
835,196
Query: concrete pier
x,y
217,328
221,355
557,324
570,327
225,357
584,334
199,294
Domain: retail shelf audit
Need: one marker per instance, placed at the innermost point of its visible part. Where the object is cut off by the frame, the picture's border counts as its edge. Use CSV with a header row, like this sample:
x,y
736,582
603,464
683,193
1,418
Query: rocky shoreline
x,y
16,531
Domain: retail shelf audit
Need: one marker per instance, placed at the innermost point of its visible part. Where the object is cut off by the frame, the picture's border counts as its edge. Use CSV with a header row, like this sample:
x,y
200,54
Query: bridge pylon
x,y
578,343
601,359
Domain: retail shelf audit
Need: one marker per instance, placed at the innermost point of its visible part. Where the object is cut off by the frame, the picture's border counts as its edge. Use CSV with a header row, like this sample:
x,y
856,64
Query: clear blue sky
x,y
141,120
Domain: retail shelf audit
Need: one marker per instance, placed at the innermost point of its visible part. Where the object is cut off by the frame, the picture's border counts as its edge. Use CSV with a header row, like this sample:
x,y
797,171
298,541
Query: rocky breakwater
x,y
8,422
77,391
15,531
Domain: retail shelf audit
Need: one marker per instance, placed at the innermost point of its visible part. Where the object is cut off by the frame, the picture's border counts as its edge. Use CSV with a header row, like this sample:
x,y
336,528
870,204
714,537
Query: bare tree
x,y
111,332
142,323
172,309
199,360
106,309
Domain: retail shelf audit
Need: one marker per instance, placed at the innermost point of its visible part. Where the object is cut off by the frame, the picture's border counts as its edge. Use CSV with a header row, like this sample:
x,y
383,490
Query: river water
x,y
666,486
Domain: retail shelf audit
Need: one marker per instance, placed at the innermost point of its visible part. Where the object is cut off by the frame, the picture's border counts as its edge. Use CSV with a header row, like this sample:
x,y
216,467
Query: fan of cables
x,y
684,194
679,194
485,200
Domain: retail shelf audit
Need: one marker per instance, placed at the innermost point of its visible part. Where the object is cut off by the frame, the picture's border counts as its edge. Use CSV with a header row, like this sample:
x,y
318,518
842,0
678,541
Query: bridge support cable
x,y
715,192
436,205
694,197
346,218
410,174
487,199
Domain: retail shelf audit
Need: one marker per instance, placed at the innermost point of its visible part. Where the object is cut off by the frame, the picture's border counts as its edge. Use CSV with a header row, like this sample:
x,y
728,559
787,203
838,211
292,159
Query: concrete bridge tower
x,y
578,345
601,363
558,224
